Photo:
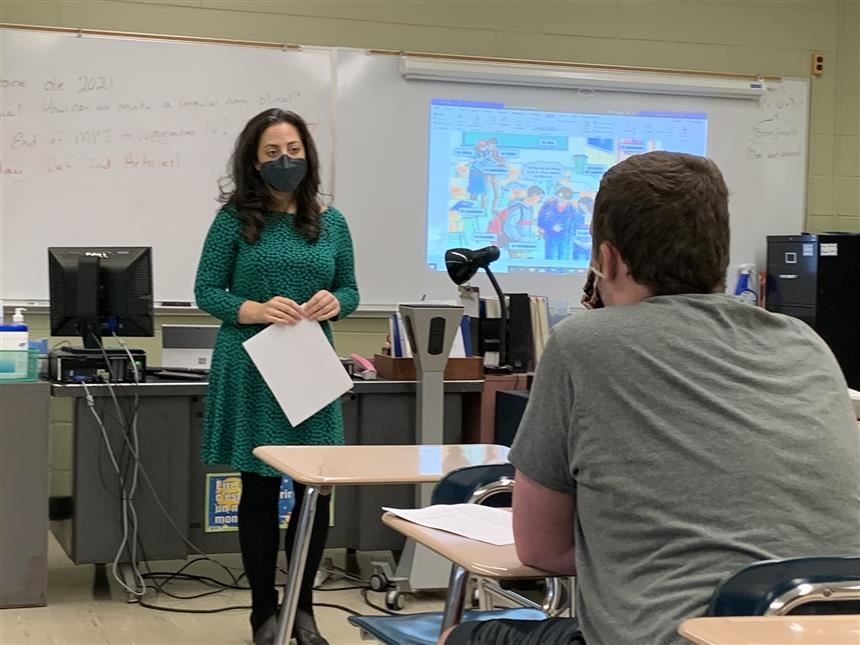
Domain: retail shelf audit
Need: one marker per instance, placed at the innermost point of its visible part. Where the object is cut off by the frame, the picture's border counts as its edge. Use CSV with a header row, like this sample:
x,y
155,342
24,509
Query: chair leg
x,y
493,589
571,598
552,599
457,586
485,601
297,560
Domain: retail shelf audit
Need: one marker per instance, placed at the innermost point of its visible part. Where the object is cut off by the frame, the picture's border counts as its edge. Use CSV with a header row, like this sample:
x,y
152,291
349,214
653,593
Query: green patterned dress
x,y
241,412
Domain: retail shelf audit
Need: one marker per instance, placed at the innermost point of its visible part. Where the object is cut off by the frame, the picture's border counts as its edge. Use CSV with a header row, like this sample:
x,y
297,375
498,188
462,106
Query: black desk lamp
x,y
462,264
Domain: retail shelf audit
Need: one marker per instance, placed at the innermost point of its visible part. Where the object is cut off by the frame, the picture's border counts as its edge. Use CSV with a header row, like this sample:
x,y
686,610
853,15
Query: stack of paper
x,y
476,522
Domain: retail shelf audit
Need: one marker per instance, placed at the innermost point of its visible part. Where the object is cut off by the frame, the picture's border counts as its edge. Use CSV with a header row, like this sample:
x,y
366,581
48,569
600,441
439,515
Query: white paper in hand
x,y
300,367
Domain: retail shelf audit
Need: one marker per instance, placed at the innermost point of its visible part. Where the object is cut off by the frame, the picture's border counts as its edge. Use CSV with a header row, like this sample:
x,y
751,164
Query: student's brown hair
x,y
667,213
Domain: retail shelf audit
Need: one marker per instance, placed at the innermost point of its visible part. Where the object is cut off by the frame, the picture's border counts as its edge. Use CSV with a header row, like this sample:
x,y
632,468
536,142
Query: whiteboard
x,y
381,159
114,141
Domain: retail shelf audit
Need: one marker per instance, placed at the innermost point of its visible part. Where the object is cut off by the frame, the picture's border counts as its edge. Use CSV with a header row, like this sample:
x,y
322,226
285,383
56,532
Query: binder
x,y
466,332
520,340
396,346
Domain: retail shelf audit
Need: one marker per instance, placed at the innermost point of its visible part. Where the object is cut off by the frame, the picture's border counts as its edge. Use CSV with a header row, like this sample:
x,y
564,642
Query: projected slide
x,y
525,180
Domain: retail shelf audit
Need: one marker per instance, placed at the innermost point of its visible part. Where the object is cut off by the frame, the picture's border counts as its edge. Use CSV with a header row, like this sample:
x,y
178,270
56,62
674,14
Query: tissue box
x,y
19,365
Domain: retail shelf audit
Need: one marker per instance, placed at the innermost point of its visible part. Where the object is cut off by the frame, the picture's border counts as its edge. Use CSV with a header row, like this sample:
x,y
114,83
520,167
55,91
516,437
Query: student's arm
x,y
545,491
544,540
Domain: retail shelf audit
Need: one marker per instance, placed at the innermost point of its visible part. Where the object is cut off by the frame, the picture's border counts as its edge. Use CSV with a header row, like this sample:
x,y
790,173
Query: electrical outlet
x,y
817,64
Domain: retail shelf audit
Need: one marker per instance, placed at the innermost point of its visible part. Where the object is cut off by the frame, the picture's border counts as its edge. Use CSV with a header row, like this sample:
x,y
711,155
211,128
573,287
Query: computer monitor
x,y
100,290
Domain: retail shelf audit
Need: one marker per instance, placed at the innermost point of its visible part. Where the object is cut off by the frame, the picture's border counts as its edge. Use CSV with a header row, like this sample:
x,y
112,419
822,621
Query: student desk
x,y
467,557
321,467
772,630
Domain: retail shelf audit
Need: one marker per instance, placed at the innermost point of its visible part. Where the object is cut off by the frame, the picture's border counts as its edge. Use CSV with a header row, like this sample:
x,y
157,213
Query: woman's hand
x,y
278,310
322,306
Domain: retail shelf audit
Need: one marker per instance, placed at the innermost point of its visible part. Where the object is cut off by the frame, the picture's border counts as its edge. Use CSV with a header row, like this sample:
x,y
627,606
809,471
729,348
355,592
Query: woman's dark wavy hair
x,y
244,188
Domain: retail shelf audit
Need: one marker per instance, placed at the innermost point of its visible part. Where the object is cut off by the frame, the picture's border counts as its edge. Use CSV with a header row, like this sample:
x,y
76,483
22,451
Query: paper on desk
x,y
300,367
476,522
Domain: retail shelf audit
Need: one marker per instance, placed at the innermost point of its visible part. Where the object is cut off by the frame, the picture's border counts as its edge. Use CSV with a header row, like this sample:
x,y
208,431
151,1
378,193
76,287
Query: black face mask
x,y
285,173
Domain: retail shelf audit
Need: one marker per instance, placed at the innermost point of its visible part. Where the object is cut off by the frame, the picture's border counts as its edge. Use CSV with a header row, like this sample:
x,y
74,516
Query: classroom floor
x,y
74,616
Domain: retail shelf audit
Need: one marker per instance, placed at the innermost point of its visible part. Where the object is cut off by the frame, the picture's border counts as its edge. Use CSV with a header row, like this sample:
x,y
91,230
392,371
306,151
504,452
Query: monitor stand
x,y
431,330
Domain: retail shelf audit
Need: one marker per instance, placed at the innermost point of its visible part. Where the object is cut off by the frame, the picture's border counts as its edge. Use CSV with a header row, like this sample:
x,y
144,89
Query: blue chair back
x,y
752,590
458,486
423,629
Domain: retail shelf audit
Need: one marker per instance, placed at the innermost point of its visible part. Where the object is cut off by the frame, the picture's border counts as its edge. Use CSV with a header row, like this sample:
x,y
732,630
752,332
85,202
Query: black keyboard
x,y
176,375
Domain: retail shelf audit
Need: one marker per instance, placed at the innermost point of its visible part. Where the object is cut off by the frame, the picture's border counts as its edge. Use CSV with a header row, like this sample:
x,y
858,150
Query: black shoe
x,y
305,630
267,632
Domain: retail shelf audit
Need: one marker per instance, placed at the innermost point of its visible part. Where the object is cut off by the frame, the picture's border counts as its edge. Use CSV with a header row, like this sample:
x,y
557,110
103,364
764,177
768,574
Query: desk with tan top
x,y
772,630
467,557
321,467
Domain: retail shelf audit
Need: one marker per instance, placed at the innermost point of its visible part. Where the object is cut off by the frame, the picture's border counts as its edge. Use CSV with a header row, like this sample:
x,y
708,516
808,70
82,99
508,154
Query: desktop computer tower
x,y
817,278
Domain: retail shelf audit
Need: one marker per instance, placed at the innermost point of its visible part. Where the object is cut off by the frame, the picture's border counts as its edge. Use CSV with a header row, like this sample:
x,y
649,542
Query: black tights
x,y
258,540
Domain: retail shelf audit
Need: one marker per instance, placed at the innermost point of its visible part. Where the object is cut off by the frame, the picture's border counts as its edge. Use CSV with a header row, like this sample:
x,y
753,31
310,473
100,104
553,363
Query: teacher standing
x,y
273,255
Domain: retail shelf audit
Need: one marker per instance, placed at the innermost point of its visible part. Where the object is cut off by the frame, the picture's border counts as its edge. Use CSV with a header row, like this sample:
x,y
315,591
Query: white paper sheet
x,y
476,522
300,367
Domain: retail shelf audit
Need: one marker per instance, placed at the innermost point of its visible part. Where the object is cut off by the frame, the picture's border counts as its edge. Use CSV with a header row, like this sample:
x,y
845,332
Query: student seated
x,y
674,435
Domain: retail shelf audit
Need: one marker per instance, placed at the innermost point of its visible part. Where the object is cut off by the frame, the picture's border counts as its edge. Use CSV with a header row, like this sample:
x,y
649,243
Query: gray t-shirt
x,y
699,434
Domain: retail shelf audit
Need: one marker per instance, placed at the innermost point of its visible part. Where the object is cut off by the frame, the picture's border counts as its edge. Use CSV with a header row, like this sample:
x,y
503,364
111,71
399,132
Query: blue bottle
x,y
744,290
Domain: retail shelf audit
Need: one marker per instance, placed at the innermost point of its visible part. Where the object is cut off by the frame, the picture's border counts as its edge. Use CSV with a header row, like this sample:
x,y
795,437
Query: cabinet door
x,y
791,273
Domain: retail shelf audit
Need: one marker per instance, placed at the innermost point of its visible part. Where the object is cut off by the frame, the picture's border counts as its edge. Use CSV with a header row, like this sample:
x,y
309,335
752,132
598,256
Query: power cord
x,y
130,520
133,448
162,578
178,610
128,512
342,573
351,612
132,463
376,607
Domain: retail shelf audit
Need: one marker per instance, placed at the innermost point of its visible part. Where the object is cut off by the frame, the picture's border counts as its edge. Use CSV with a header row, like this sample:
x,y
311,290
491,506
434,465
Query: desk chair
x,y
490,485
811,585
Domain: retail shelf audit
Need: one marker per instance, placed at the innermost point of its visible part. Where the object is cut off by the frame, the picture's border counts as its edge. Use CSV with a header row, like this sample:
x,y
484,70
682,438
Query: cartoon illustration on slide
x,y
484,171
527,183
557,221
498,195
582,232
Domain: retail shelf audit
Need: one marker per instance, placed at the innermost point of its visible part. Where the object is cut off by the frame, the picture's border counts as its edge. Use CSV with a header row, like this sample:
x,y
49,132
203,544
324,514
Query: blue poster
x,y
223,491
286,501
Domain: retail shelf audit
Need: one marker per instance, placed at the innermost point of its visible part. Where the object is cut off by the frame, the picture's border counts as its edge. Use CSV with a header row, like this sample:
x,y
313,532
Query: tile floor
x,y
74,617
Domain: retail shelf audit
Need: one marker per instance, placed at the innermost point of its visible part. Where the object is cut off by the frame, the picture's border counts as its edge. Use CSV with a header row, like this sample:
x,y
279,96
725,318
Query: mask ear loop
x,y
590,296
